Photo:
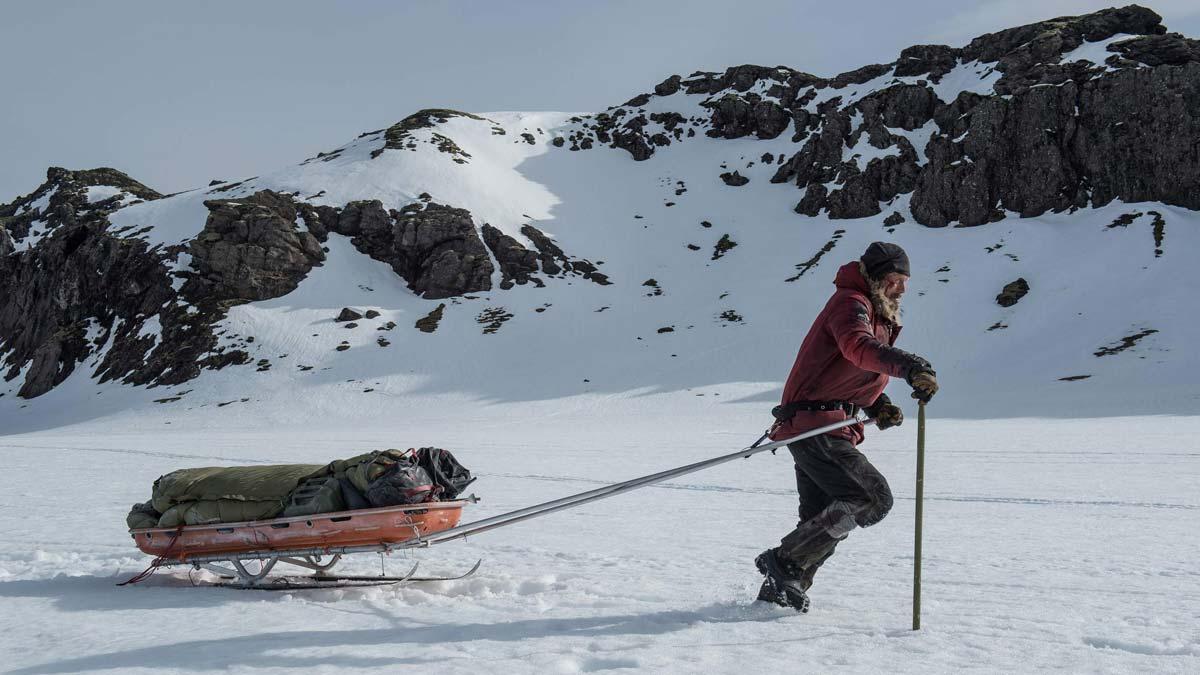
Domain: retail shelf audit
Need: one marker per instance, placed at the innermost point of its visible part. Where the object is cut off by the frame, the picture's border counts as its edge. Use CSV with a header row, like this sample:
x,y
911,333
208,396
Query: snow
x,y
1048,544
97,193
40,203
919,138
1095,52
970,76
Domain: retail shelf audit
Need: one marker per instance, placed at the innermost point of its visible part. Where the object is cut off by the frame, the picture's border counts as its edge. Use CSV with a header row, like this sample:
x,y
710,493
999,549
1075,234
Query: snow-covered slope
x,y
1092,286
713,274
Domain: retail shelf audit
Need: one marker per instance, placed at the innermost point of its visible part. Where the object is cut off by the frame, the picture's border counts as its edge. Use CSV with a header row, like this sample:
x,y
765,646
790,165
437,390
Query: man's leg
x,y
858,496
813,500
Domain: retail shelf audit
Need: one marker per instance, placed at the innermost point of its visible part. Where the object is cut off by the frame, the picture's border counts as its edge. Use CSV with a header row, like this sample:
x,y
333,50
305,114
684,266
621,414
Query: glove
x,y
884,413
924,383
889,416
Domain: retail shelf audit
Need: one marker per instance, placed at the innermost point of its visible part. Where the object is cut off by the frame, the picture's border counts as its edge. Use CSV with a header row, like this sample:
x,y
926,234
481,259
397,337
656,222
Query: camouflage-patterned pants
x,y
839,491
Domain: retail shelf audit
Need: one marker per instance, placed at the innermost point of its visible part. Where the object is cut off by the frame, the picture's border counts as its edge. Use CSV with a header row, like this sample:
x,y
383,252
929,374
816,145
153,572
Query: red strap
x,y
156,563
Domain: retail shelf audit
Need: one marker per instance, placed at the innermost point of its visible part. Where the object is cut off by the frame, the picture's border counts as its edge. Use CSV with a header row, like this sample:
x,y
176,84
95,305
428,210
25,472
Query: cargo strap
x,y
157,562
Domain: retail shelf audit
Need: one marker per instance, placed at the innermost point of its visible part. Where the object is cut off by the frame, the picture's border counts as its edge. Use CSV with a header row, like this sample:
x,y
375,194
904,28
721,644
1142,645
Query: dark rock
x,y
734,179
668,87
1052,37
492,319
554,261
1122,136
370,314
1126,342
1171,49
723,246
638,101
399,135
1012,292
735,116
348,314
250,249
557,141
83,278
813,201
529,138
934,60
894,219
364,217
350,325
517,263
6,243
433,247
429,322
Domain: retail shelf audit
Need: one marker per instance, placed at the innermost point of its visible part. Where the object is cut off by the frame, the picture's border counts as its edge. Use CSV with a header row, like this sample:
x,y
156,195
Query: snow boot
x,y
783,585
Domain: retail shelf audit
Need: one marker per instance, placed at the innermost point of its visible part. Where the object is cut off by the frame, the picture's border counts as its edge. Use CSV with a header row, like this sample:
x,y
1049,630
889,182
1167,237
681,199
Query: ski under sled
x,y
245,554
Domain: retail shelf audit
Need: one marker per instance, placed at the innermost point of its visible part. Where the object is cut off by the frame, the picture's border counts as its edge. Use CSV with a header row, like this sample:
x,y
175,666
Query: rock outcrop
x,y
84,287
1034,128
434,247
250,249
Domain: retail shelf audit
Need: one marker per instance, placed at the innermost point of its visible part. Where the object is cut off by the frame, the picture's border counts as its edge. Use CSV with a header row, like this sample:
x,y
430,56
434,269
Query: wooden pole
x,y
920,505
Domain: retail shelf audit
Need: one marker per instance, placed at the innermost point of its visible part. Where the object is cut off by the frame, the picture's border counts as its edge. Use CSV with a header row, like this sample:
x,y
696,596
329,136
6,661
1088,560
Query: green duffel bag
x,y
209,511
142,516
240,483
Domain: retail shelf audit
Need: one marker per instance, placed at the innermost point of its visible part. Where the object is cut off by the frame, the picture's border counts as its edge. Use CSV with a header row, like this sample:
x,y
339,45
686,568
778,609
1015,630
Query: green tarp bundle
x,y
233,494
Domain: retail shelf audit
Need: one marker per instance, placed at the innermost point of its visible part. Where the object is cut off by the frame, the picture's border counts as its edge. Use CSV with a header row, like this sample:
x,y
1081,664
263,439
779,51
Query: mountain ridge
x,y
464,208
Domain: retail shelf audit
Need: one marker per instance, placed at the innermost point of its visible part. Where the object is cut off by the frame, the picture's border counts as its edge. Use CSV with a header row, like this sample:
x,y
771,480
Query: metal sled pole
x,y
920,504
519,515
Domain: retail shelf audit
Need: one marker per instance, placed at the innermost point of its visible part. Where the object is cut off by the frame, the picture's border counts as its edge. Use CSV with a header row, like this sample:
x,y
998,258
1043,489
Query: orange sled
x,y
315,542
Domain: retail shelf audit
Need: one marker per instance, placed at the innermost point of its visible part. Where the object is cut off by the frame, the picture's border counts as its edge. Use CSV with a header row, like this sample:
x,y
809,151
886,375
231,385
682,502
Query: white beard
x,y
886,307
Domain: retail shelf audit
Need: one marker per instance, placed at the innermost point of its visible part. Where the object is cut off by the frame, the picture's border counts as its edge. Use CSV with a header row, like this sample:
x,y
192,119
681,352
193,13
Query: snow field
x,y
1049,545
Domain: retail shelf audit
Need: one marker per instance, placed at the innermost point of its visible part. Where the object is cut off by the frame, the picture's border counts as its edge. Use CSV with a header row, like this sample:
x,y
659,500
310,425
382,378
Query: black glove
x,y
923,381
885,414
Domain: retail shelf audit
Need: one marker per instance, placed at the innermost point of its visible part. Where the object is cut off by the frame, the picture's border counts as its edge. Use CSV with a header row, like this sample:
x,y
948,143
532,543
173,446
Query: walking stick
x,y
920,503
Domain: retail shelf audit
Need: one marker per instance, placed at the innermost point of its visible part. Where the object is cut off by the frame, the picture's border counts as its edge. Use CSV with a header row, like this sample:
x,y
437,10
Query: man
x,y
843,365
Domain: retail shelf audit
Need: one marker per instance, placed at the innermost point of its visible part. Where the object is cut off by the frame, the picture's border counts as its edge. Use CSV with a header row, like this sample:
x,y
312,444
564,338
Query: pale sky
x,y
176,94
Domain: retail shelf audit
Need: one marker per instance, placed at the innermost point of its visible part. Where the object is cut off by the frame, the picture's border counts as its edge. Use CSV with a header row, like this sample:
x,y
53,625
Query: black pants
x,y
839,490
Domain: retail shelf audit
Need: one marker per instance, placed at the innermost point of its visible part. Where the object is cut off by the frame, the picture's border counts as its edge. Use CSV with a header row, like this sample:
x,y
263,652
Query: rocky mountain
x,y
690,198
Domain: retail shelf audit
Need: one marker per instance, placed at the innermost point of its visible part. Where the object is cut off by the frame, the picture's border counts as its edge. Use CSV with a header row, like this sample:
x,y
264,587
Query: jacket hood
x,y
850,276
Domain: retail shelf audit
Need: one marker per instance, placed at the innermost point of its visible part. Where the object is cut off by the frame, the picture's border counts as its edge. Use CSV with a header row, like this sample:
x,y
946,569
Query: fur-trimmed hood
x,y
853,275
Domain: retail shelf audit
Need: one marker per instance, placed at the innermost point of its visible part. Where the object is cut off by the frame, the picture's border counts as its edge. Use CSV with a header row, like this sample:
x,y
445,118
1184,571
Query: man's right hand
x,y
924,383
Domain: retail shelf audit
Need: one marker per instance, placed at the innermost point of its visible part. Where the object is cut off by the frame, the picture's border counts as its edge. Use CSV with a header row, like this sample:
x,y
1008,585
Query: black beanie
x,y
882,257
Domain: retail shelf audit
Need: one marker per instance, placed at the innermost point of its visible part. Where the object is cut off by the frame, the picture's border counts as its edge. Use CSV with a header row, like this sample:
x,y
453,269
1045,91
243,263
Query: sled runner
x,y
315,542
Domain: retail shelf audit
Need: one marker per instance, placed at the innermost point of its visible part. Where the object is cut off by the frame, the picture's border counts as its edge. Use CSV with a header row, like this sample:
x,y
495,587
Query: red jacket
x,y
847,356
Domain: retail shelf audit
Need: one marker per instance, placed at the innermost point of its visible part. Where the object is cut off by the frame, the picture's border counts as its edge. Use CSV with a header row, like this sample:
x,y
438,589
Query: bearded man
x,y
843,366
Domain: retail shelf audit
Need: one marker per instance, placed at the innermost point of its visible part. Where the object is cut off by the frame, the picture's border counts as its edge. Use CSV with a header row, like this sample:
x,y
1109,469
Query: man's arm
x,y
850,323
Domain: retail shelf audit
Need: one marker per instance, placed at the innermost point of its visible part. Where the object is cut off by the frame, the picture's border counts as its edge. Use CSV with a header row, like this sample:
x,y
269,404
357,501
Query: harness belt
x,y
787,411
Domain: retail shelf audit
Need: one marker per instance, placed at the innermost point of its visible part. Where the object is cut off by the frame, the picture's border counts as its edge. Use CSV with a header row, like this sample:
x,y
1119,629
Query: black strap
x,y
786,411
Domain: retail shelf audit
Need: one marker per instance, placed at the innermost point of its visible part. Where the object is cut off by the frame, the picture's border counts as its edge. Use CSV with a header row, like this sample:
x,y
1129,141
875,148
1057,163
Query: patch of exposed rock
x,y
1053,134
517,263
83,287
433,247
555,262
250,249
1012,292
400,135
